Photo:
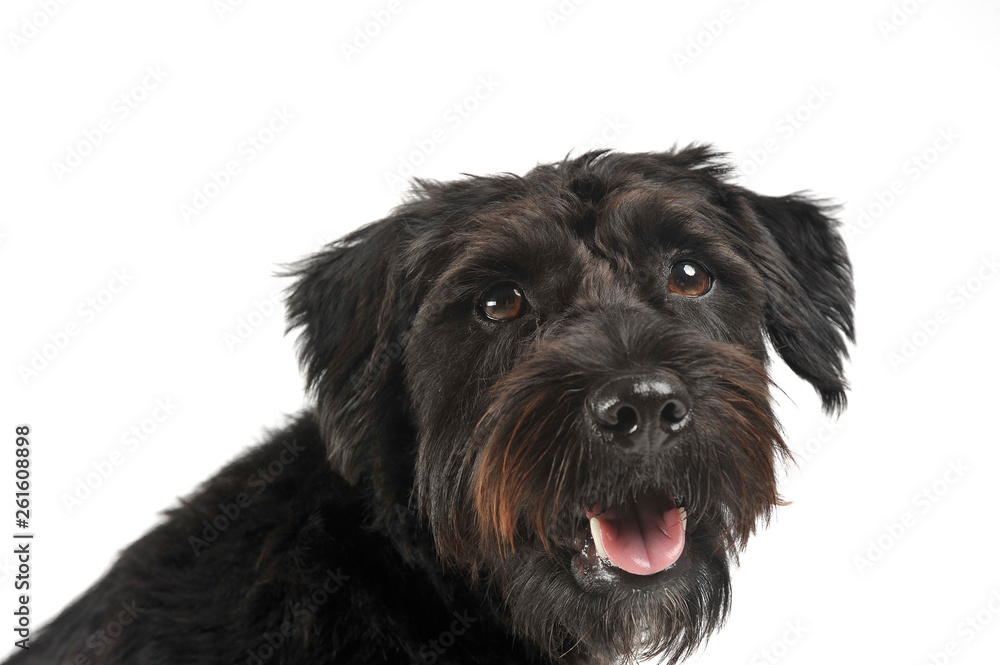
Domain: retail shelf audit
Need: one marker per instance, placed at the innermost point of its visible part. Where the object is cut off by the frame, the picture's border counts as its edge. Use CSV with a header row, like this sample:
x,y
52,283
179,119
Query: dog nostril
x,y
641,411
674,411
626,420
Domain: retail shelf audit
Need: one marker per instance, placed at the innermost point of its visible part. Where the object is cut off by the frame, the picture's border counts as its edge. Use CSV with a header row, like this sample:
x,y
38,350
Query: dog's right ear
x,y
347,302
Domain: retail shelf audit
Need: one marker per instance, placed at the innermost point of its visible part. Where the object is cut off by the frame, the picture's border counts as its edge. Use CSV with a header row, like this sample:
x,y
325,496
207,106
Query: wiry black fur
x,y
429,508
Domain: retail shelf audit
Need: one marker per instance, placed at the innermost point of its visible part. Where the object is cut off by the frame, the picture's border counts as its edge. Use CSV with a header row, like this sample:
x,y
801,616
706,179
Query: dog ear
x,y
351,317
811,300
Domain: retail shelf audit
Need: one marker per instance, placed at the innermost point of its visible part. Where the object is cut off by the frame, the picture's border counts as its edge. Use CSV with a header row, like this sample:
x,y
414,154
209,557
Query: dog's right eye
x,y
688,278
502,302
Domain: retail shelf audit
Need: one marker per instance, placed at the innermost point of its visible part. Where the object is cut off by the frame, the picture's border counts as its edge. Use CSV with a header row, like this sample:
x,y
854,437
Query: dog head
x,y
567,374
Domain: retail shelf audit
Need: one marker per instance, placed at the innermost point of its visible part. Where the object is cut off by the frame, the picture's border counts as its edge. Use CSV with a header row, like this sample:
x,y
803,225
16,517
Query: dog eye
x,y
689,279
503,302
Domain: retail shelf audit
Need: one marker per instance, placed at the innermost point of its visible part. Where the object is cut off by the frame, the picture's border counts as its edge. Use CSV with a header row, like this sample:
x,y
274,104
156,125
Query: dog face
x,y
566,373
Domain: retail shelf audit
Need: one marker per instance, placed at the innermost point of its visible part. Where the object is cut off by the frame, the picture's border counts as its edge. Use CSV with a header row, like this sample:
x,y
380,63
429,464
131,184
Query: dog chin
x,y
671,611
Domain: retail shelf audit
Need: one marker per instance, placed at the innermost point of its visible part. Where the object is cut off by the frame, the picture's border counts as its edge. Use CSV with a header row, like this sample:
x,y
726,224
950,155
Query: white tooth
x,y
684,518
595,531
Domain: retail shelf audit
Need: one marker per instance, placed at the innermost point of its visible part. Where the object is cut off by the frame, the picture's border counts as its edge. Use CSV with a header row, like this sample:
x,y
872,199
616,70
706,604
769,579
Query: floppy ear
x,y
810,306
351,317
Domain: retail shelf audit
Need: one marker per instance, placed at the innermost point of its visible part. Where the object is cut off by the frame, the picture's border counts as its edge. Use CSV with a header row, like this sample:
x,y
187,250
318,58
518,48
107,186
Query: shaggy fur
x,y
431,507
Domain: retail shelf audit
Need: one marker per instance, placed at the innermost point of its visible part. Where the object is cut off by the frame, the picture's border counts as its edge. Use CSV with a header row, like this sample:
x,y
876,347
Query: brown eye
x,y
503,302
689,279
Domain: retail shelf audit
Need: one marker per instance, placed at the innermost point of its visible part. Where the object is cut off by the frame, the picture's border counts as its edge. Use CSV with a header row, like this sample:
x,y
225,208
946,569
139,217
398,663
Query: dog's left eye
x,y
503,302
688,278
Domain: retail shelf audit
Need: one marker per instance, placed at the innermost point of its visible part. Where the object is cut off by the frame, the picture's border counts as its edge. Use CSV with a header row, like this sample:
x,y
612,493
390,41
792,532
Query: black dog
x,y
542,432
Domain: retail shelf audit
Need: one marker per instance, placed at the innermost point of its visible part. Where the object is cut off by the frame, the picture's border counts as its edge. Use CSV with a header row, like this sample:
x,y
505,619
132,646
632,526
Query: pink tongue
x,y
643,538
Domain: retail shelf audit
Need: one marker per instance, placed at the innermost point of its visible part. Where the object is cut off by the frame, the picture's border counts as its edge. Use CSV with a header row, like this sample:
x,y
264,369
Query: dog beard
x,y
523,494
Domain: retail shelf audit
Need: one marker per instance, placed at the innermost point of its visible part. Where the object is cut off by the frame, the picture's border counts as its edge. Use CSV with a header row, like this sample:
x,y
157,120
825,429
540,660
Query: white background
x,y
863,568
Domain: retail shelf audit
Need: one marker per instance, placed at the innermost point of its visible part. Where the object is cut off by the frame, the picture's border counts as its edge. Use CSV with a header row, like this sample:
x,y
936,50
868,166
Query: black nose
x,y
641,411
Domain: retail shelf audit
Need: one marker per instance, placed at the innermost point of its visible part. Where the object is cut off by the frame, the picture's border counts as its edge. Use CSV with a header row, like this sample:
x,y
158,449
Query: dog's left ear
x,y
810,305
351,311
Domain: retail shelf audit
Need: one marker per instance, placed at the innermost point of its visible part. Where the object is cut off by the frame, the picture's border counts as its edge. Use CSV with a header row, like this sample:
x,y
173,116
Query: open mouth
x,y
643,537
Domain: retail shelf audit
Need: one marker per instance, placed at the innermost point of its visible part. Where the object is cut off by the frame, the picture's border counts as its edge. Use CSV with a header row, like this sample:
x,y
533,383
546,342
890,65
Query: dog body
x,y
542,432
275,561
